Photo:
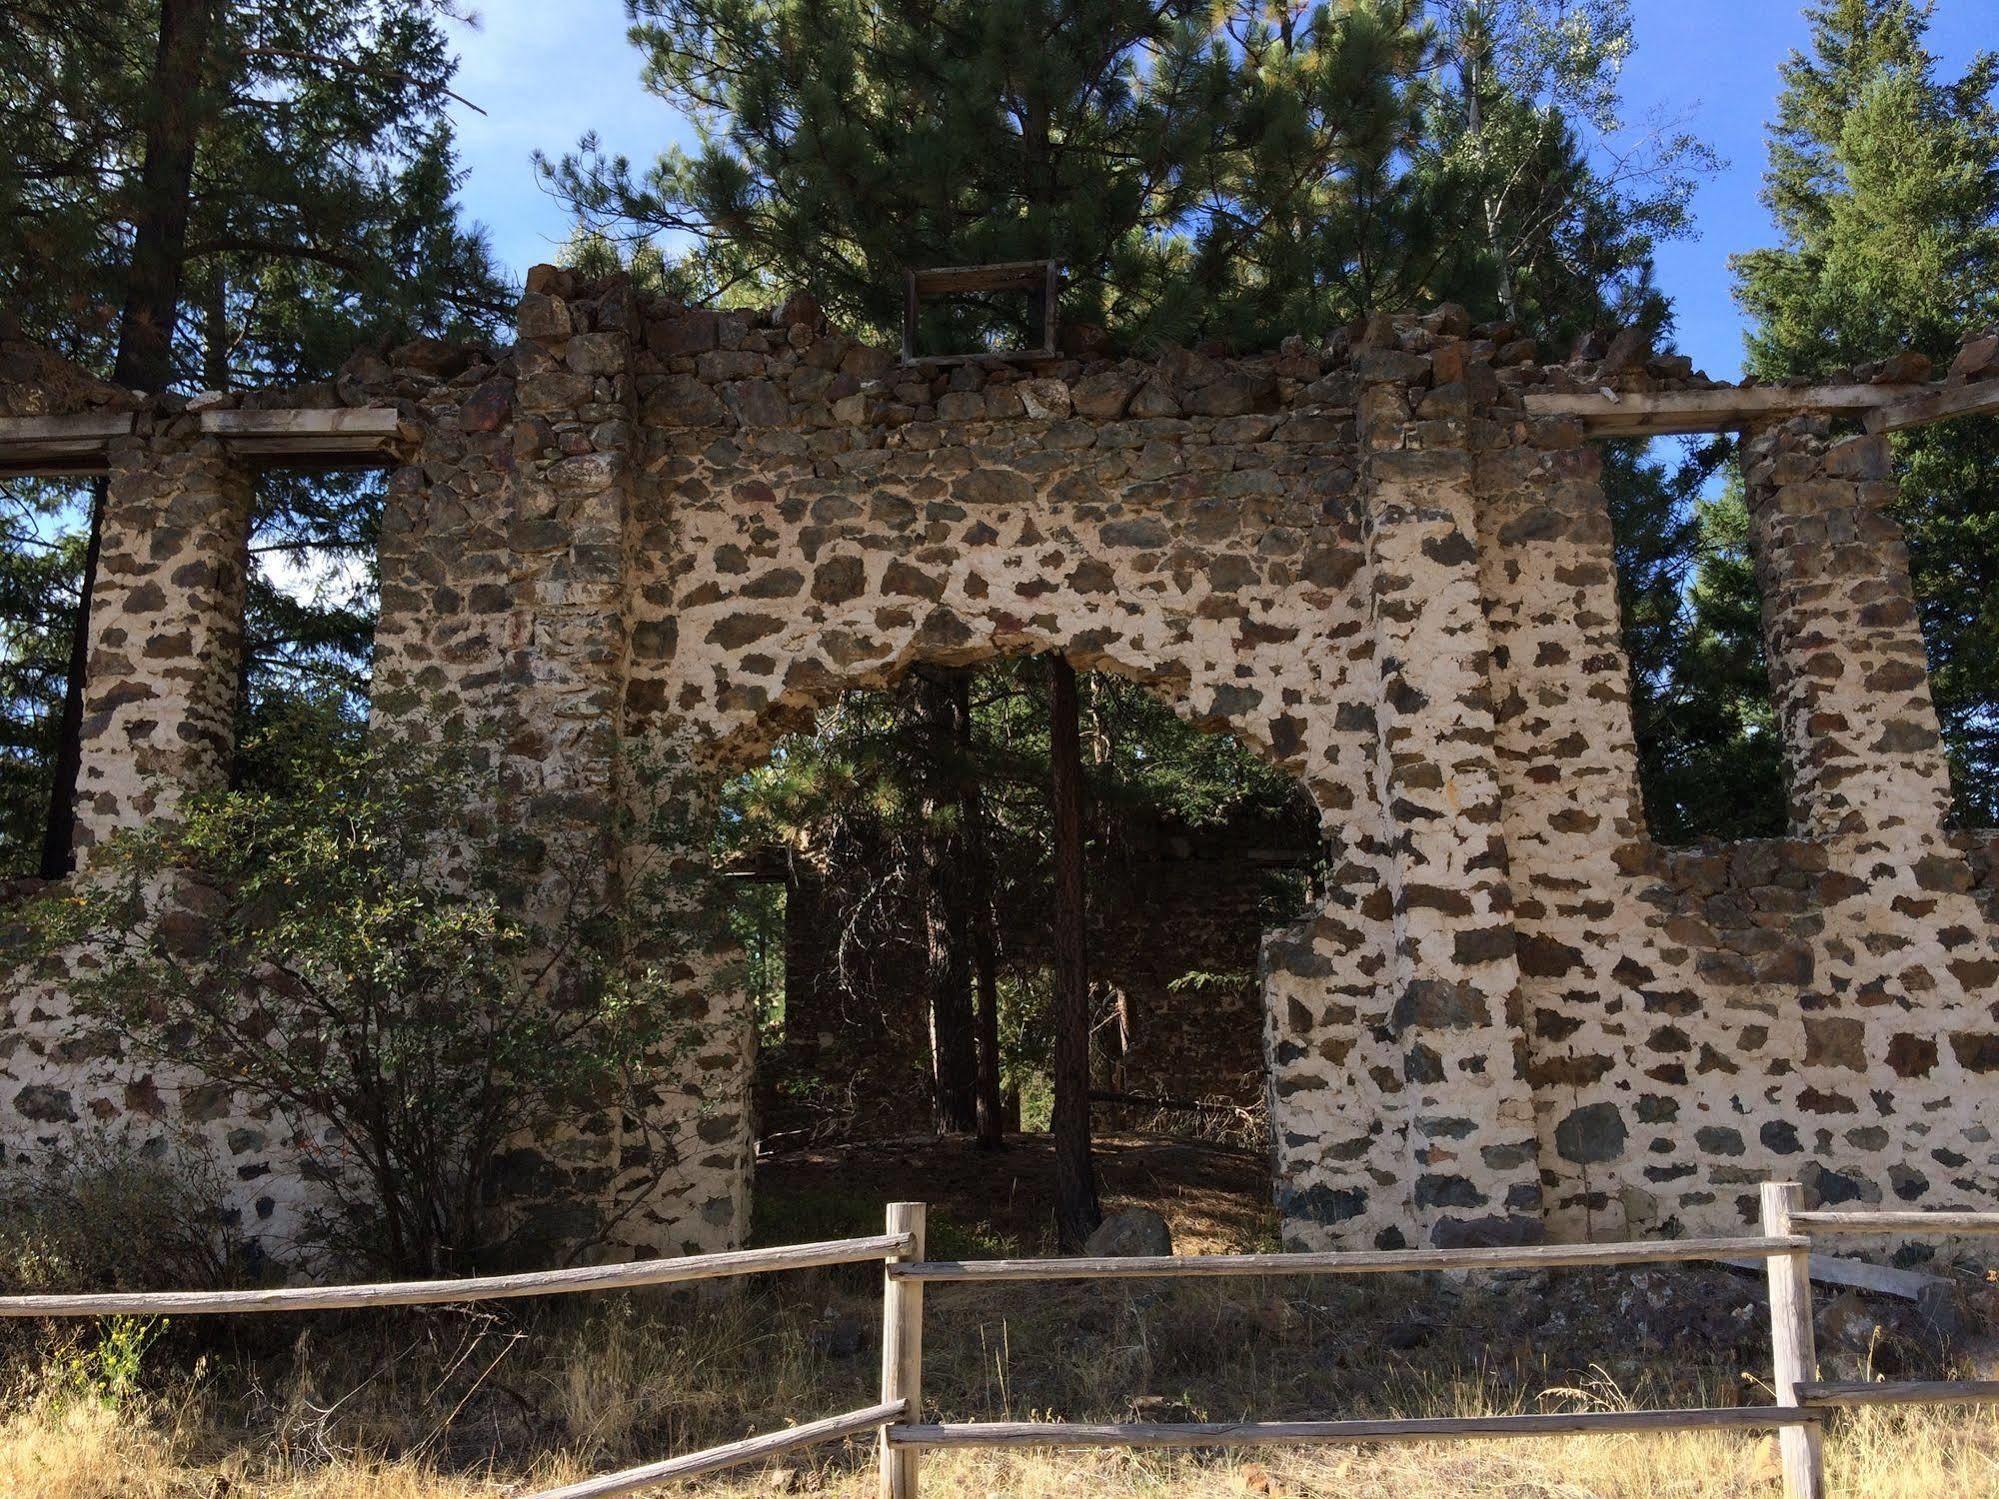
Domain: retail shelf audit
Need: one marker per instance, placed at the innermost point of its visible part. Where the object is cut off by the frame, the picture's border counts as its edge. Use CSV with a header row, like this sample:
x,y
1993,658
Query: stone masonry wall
x,y
682,531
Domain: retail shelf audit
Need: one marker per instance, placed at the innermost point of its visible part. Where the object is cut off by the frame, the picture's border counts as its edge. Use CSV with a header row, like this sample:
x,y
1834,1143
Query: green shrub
x,y
374,956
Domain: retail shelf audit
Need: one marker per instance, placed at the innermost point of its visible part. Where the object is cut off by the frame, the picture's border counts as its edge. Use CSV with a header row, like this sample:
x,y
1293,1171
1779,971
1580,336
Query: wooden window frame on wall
x,y
1043,276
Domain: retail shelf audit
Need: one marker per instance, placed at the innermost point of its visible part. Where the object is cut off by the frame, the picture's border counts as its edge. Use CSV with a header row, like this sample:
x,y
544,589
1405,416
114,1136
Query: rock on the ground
x,y
1159,1410
1133,1232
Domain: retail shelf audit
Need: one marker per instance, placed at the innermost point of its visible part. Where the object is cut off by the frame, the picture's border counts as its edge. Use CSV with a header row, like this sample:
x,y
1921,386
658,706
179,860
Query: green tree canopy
x,y
1240,170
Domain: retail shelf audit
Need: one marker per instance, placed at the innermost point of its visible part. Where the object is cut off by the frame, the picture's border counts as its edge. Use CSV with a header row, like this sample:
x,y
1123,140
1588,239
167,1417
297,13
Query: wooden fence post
x,y
1791,1341
902,1353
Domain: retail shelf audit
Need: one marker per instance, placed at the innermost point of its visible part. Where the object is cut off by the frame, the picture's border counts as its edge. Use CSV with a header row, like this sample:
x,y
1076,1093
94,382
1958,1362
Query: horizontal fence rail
x,y
661,1272
1329,1433
734,1455
1355,1262
1898,1223
1906,1392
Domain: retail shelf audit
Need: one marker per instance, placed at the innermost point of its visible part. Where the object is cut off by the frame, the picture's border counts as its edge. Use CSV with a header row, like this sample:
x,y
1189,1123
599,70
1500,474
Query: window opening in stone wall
x,y
309,621
1949,491
757,923
44,525
895,863
1710,759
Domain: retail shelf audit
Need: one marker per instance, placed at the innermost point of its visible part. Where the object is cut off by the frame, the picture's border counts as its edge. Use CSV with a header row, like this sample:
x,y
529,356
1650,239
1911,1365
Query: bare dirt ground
x,y
1216,1198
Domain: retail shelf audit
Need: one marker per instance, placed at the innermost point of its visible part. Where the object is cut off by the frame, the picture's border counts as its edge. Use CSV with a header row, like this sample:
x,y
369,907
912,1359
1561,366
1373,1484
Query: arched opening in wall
x,y
1710,759
310,610
895,885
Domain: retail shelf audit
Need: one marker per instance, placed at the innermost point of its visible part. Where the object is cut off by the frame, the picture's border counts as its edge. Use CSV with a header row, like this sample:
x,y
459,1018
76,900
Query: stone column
x,y
670,1169
445,560
1847,670
1453,972
1568,763
166,626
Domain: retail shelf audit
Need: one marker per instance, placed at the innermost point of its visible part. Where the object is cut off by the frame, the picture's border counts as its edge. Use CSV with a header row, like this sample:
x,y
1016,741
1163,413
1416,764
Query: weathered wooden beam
x,y
55,446
1896,1222
1862,1275
990,358
1355,1261
1011,275
1913,1392
1314,1433
734,1455
350,437
1978,399
1671,413
355,436
659,1272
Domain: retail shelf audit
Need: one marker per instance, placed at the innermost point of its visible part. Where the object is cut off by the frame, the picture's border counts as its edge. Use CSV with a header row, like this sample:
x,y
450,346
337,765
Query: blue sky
x,y
544,81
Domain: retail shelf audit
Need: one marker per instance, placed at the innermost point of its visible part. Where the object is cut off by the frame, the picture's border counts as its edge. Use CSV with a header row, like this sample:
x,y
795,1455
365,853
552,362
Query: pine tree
x,y
1710,764
209,193
1171,153
1884,186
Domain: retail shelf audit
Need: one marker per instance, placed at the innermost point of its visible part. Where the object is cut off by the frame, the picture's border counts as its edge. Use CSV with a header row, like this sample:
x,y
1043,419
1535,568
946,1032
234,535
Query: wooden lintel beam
x,y
1729,409
1980,398
989,359
335,437
60,446
80,444
1025,275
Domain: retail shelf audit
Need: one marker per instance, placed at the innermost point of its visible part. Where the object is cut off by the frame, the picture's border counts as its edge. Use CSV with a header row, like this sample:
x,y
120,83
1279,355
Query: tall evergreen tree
x,y
214,192
1884,186
1564,203
1169,152
1239,171
1710,764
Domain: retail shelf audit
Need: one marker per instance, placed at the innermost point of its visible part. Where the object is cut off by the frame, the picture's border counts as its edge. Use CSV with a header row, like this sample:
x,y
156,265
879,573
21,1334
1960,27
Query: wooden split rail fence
x,y
1784,1246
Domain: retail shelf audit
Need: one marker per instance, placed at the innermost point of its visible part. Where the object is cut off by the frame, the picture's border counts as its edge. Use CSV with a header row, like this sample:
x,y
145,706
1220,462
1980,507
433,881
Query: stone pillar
x,y
1847,670
1454,975
166,627
1568,764
445,561
572,497
611,819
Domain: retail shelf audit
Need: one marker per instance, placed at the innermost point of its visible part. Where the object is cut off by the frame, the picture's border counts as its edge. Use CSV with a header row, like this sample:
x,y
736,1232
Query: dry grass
x,y
95,1452
446,1406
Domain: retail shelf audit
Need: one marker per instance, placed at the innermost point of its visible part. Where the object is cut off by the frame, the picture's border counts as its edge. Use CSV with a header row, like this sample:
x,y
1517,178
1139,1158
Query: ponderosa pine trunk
x,y
943,701
145,341
985,954
1077,1212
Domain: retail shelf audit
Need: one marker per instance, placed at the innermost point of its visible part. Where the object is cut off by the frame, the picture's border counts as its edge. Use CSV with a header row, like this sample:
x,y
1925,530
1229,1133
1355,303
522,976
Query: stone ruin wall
x,y
1513,1017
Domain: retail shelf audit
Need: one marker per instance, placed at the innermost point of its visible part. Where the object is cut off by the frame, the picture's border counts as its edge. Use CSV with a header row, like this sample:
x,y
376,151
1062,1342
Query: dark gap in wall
x,y
1003,321
1710,761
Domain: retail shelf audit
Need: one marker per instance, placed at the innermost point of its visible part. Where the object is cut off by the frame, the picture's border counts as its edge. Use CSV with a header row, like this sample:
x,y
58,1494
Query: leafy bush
x,y
369,954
